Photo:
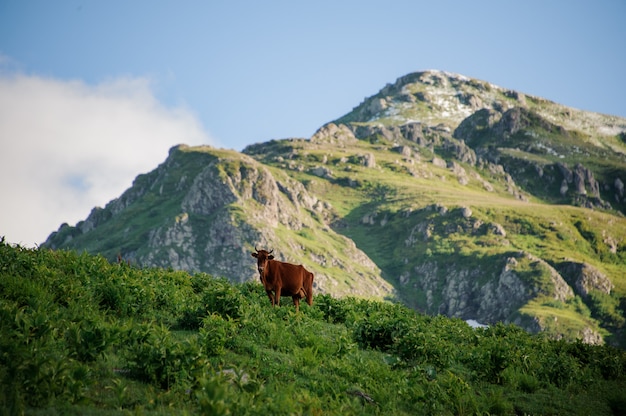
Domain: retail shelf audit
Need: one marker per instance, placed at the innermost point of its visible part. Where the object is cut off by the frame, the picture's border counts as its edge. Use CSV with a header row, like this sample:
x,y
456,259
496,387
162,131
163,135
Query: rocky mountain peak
x,y
432,97
437,97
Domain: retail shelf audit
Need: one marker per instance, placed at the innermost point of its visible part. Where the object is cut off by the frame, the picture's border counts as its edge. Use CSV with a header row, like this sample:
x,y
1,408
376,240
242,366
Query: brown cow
x,y
284,279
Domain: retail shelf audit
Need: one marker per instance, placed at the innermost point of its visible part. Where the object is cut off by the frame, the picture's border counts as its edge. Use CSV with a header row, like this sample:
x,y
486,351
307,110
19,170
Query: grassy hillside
x,y
79,335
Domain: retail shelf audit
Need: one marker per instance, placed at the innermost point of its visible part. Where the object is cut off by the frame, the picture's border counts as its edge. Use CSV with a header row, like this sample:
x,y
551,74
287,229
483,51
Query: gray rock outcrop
x,y
585,278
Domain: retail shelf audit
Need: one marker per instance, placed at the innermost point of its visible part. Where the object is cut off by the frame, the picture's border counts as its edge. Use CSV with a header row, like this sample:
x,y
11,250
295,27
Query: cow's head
x,y
262,257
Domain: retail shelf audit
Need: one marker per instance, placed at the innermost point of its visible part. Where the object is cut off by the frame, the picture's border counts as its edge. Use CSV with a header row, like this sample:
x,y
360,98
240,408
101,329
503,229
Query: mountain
x,y
449,194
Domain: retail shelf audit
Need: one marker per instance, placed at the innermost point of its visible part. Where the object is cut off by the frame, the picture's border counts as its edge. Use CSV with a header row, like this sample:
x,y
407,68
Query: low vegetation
x,y
80,335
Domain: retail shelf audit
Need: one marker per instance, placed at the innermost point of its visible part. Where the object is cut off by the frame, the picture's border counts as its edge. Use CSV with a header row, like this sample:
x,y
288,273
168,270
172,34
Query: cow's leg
x,y
271,296
277,295
296,301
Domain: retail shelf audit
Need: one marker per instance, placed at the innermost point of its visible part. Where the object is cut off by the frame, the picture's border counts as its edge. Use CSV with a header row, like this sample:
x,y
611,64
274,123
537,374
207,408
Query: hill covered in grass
x,y
448,194
81,335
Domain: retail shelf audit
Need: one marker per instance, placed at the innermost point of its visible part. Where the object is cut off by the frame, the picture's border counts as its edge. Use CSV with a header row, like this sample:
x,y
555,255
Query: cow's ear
x,y
255,254
270,257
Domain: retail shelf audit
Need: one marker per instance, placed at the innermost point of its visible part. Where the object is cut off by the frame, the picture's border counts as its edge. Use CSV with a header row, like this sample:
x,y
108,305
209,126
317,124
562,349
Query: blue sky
x,y
93,93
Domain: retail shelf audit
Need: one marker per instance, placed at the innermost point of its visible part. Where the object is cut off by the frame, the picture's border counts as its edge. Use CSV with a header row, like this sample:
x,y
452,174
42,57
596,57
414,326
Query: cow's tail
x,y
308,290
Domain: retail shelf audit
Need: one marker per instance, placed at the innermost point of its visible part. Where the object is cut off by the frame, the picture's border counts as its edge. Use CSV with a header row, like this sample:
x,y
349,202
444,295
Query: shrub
x,y
190,319
497,404
34,365
334,310
214,333
381,327
152,355
112,295
424,347
518,380
561,370
498,347
217,296
223,298
87,339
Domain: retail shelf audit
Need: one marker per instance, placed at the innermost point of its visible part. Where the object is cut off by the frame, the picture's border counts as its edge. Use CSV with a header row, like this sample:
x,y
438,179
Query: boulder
x,y
332,133
584,278
403,150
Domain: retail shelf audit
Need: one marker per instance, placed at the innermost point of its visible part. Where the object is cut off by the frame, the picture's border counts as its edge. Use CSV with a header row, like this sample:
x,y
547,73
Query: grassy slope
x,y
81,336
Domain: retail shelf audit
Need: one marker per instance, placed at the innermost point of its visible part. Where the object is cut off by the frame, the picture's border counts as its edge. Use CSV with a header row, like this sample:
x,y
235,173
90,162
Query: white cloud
x,y
66,147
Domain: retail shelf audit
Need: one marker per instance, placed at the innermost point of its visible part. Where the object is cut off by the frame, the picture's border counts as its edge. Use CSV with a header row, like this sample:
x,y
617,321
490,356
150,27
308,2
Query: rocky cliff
x,y
205,209
450,194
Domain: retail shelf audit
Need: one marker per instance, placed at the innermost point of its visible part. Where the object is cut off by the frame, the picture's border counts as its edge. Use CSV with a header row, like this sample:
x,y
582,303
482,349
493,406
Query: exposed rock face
x,y
369,160
512,135
405,151
585,278
462,295
497,229
207,230
585,177
209,192
568,175
376,106
474,127
322,171
589,336
419,133
501,297
439,162
332,133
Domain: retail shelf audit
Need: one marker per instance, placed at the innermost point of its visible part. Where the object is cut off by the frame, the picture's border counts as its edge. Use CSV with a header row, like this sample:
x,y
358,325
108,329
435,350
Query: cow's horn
x,y
256,249
271,251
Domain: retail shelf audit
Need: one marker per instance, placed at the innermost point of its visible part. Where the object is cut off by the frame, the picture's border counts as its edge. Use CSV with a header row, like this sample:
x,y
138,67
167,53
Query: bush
x,y
223,298
381,327
518,380
334,310
216,296
152,355
424,347
88,339
498,347
113,296
35,366
214,333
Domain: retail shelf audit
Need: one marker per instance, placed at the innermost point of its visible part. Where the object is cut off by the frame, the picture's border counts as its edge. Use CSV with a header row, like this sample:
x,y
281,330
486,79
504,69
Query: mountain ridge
x,y
447,193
